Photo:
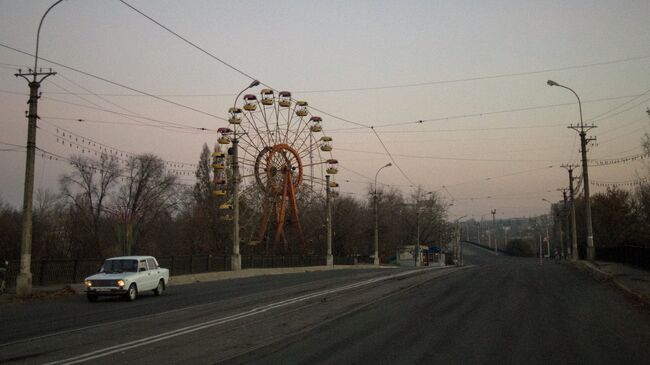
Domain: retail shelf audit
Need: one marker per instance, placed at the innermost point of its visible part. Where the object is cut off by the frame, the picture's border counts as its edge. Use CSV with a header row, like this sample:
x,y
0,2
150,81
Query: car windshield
x,y
113,266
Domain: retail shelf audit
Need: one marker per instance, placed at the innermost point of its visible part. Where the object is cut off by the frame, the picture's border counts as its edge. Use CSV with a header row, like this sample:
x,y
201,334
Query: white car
x,y
127,276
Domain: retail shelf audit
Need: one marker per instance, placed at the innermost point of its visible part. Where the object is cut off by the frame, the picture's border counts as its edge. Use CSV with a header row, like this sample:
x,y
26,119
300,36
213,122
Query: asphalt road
x,y
498,310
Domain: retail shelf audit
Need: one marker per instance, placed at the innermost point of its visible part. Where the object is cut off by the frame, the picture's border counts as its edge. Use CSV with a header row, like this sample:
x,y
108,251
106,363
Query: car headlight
x,y
120,283
88,283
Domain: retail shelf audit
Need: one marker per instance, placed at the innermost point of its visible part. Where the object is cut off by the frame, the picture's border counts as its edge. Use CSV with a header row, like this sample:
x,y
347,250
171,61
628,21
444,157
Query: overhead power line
x,y
117,83
478,78
393,160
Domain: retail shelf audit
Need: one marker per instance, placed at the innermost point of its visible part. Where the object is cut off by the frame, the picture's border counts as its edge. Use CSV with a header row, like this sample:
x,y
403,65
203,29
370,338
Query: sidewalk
x,y
632,280
62,290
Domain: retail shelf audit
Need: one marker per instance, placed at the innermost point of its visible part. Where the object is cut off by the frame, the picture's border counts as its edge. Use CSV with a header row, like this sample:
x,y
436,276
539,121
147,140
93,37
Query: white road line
x,y
197,327
159,314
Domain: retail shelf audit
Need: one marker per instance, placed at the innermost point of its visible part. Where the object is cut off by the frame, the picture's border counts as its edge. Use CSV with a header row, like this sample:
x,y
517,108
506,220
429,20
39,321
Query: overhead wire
x,y
117,83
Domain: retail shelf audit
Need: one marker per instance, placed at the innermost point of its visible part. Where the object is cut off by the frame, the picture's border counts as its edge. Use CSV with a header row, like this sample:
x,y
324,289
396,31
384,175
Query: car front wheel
x,y
160,288
92,297
132,293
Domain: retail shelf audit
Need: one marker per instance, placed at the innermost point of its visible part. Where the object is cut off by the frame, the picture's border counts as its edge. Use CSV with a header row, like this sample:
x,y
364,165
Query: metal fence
x,y
634,255
65,271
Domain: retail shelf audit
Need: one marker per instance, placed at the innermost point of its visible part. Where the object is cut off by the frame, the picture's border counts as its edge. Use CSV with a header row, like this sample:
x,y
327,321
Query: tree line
x,y
104,207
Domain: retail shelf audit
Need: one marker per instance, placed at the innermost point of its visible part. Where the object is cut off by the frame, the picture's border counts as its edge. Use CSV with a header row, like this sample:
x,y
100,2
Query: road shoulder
x,y
632,281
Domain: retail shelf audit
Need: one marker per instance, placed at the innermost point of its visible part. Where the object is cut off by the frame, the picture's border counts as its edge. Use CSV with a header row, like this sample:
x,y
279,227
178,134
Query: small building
x,y
433,256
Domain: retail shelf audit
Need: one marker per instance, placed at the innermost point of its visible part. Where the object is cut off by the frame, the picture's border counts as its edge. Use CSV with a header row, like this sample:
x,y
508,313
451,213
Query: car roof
x,y
130,258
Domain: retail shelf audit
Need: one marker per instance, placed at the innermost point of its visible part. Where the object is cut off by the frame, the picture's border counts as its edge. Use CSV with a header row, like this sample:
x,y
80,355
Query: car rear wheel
x,y
160,288
132,293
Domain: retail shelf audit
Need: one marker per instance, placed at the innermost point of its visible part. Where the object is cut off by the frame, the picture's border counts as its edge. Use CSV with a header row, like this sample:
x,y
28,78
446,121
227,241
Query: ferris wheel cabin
x,y
316,124
224,139
250,102
301,108
235,116
331,166
285,99
327,143
267,97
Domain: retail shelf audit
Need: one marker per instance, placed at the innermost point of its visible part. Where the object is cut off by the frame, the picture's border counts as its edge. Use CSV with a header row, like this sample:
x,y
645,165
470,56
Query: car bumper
x,y
107,291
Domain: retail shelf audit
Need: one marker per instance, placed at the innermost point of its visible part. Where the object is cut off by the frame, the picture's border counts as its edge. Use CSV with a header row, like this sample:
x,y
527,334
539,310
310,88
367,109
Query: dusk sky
x,y
492,133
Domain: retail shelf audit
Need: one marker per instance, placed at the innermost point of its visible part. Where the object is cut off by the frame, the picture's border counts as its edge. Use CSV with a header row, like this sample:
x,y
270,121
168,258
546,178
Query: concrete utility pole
x,y
494,227
540,248
24,279
458,246
328,222
235,259
563,222
582,130
374,197
417,242
574,235
548,242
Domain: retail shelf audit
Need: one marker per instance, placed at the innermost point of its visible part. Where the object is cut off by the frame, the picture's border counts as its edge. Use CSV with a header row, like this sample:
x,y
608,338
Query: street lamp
x,y
24,279
582,131
235,259
376,262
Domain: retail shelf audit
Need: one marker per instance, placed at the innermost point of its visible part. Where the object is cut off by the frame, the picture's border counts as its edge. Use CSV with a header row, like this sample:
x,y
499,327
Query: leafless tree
x,y
148,191
86,190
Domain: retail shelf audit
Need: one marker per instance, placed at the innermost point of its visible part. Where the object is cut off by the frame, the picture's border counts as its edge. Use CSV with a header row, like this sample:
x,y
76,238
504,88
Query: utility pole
x,y
328,222
582,130
494,227
563,224
24,278
540,248
548,242
574,235
417,243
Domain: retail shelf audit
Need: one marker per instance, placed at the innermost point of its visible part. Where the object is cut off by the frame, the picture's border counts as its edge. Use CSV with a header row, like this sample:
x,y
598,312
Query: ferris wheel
x,y
283,154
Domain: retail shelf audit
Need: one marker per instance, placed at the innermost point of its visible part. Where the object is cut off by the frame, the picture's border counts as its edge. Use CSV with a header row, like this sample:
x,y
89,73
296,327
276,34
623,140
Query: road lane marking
x,y
153,315
197,327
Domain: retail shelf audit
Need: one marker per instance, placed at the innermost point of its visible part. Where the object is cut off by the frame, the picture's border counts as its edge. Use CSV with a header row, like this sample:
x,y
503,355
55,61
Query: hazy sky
x,y
493,133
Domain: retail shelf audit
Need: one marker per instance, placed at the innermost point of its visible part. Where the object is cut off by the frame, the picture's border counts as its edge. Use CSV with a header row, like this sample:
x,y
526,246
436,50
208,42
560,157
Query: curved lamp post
x,y
235,259
582,131
376,262
24,279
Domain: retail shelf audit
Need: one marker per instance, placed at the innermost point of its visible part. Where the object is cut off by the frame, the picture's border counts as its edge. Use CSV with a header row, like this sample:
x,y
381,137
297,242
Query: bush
x,y
521,247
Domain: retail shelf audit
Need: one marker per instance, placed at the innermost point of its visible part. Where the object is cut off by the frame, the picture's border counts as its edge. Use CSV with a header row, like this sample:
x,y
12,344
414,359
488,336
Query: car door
x,y
144,276
154,270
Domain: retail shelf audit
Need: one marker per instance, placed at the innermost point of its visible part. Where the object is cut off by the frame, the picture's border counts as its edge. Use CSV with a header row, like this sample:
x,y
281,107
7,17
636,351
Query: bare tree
x,y
86,190
148,192
50,238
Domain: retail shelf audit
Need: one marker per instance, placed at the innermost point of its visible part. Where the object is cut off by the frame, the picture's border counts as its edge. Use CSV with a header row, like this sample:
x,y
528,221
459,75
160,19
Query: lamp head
x,y
253,84
552,83
388,164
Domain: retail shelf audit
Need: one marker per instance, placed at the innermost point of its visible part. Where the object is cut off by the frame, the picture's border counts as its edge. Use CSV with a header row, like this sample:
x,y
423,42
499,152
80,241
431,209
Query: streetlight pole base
x,y
376,261
329,260
235,262
24,285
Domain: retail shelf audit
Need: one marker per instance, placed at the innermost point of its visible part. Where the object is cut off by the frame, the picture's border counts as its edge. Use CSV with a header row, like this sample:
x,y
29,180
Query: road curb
x,y
79,288
602,275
